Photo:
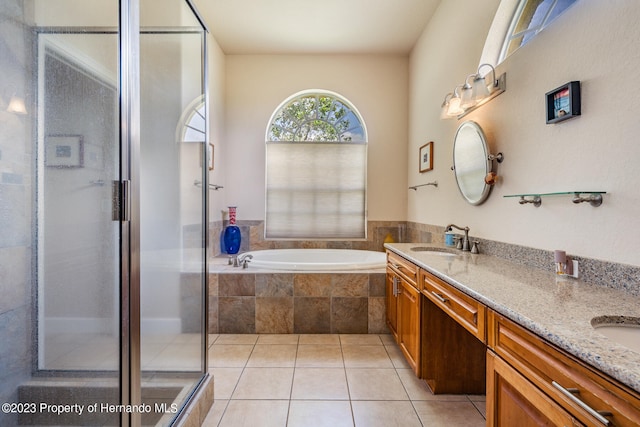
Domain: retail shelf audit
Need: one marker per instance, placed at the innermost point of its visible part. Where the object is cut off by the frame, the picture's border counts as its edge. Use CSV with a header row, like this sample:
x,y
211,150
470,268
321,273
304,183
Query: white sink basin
x,y
623,330
436,250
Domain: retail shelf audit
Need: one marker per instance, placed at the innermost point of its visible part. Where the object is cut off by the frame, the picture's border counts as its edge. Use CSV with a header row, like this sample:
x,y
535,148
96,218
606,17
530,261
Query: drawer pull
x,y
570,393
440,297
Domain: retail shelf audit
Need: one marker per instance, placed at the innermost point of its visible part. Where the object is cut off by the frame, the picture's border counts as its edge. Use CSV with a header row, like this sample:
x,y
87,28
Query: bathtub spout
x,y
243,260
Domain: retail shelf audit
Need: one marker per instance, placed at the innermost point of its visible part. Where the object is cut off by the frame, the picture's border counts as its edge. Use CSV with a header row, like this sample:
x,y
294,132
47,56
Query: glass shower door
x,y
78,242
172,199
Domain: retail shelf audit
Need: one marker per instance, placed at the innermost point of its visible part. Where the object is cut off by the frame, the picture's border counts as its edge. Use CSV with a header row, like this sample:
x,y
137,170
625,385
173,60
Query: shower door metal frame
x,y
129,202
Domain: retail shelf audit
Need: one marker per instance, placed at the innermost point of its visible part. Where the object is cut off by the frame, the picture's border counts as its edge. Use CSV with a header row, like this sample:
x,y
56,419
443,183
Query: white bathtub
x,y
317,259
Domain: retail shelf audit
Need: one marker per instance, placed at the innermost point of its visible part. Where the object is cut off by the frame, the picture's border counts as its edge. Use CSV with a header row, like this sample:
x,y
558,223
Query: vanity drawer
x,y
468,312
406,269
567,380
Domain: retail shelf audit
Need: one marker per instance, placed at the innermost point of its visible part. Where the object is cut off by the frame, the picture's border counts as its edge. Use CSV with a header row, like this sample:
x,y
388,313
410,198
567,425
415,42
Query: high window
x,y
316,169
530,17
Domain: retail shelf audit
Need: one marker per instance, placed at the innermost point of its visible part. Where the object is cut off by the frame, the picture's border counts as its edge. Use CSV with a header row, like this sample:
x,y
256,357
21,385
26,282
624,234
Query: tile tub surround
x,y
558,309
266,302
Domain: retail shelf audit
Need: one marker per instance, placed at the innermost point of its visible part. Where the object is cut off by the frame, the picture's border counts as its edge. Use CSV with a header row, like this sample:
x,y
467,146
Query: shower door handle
x,y
121,200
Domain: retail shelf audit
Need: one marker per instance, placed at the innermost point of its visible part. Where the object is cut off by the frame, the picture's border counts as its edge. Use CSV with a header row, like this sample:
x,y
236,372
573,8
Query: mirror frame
x,y
486,190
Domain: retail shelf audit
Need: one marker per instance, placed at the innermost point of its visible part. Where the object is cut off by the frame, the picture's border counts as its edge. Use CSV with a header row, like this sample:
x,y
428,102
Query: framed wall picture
x,y
64,151
563,102
426,157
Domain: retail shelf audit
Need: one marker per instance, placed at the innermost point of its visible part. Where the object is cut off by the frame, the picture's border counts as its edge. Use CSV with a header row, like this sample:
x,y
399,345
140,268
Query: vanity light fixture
x,y
475,92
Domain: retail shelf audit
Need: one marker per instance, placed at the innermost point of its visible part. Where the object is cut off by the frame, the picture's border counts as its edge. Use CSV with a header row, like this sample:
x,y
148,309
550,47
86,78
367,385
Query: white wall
x,y
256,85
594,42
217,81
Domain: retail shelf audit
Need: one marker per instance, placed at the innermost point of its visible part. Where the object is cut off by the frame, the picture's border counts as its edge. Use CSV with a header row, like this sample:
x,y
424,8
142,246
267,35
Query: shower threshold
x,y
80,401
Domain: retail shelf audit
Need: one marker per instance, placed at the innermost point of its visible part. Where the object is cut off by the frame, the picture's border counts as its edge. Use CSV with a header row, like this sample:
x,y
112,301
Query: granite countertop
x,y
558,309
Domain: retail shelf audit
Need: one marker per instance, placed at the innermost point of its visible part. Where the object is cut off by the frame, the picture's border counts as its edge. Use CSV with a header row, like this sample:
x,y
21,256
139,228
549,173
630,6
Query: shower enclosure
x,y
103,244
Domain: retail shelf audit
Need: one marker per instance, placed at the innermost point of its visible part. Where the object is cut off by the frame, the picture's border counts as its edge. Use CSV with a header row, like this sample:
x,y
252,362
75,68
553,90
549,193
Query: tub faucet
x,y
243,260
465,242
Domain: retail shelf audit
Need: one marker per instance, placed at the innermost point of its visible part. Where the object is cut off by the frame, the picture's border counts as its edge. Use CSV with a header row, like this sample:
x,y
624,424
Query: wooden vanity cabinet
x,y
527,377
403,305
391,302
512,400
409,324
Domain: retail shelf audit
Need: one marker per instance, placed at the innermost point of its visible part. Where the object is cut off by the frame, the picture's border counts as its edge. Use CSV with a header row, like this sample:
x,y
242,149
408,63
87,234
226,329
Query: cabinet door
x,y
514,401
409,324
587,394
392,302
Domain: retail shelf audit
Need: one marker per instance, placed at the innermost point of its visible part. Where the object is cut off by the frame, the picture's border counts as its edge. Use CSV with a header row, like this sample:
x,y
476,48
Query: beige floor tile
x,y
326,339
366,356
320,384
319,356
211,338
236,339
229,356
278,339
387,339
215,413
385,414
276,355
375,384
305,413
254,413
481,406
396,356
417,389
264,383
360,339
446,414
225,381
477,397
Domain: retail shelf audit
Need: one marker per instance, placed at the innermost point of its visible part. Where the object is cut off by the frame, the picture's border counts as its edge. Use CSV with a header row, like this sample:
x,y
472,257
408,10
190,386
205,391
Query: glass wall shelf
x,y
593,197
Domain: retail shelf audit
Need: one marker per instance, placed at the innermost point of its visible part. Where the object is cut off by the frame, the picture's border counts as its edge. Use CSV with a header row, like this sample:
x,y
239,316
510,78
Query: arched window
x,y
316,169
191,126
516,22
530,17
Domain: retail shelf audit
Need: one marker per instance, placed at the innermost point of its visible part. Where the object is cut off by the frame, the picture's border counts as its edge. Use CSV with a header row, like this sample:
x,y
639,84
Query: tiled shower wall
x,y
15,205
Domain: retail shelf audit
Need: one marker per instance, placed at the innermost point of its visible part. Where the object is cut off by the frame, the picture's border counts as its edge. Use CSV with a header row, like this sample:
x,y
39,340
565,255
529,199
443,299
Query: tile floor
x,y
325,380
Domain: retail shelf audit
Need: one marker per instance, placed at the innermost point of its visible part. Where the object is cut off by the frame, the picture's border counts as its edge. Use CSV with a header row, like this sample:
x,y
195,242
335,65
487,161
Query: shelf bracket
x,y
594,200
536,200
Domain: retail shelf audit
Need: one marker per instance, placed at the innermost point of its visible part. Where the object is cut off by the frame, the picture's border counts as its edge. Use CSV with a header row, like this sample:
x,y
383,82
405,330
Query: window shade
x,y
315,190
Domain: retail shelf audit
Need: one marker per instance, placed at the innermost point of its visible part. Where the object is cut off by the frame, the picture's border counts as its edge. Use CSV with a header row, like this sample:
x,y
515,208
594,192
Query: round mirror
x,y
471,162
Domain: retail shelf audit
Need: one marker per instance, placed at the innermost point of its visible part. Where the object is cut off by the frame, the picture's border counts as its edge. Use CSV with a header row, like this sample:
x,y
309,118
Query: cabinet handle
x,y
395,286
440,297
570,393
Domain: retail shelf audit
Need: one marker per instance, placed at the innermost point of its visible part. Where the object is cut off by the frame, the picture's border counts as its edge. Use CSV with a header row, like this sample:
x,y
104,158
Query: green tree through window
x,y
316,117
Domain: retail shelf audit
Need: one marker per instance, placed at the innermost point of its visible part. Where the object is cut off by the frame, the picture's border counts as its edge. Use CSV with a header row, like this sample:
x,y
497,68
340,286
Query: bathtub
x,y
317,259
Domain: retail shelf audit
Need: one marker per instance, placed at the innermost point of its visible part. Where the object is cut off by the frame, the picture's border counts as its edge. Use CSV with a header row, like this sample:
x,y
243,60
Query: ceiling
x,y
316,26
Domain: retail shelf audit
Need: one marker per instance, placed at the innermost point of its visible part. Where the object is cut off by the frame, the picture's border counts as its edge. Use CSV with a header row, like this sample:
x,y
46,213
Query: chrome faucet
x,y
465,242
243,260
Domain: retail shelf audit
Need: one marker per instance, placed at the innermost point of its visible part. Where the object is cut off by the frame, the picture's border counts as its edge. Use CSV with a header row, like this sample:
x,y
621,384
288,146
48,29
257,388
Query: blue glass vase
x,y
231,239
